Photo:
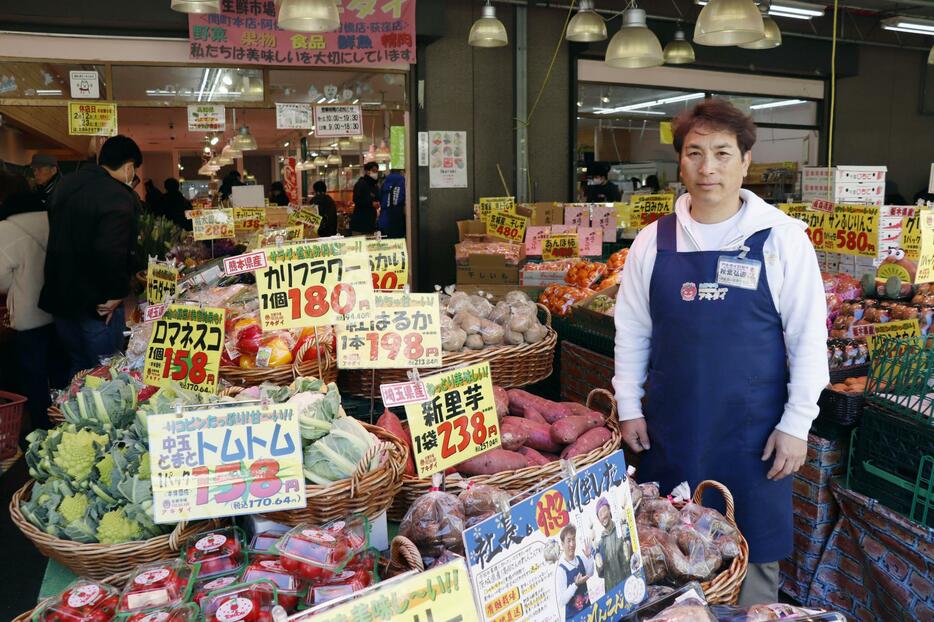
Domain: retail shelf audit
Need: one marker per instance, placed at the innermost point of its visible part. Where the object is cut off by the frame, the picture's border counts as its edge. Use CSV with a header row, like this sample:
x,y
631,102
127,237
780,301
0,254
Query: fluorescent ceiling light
x,y
651,104
909,24
792,7
779,13
778,104
48,91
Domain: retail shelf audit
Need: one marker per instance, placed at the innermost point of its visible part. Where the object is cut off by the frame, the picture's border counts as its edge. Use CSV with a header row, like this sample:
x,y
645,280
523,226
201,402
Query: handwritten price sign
x,y
405,332
925,273
314,284
506,226
161,282
644,209
457,422
225,461
389,264
490,205
213,224
249,219
815,220
308,217
561,246
900,329
282,235
853,230
185,348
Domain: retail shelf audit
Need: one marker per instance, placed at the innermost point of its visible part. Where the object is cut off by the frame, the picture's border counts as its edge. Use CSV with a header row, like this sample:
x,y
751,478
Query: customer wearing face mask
x,y
89,264
365,201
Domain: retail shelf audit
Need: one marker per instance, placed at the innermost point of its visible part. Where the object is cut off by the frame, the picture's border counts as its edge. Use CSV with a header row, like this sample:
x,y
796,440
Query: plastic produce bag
x,y
657,512
434,523
481,499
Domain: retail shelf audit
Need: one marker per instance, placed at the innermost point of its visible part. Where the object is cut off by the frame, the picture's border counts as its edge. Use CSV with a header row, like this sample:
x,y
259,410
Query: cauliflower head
x,y
115,527
74,507
77,453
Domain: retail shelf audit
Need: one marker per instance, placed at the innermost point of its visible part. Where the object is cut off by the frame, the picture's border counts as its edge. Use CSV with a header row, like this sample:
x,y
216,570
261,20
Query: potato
x,y
535,334
517,296
474,342
460,301
468,321
500,313
491,332
513,338
519,322
482,306
452,339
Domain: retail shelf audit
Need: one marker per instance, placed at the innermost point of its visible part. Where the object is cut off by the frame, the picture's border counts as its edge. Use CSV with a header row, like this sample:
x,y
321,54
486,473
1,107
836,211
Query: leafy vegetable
x,y
335,456
77,451
115,527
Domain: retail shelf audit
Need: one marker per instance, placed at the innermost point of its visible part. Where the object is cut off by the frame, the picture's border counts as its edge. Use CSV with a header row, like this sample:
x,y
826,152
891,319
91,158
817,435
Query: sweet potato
x,y
410,460
513,437
579,409
493,461
551,411
533,415
569,429
538,435
502,402
588,441
534,457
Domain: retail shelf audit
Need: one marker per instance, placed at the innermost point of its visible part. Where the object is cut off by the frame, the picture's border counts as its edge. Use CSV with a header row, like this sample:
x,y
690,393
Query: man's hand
x,y
636,434
106,309
580,579
790,454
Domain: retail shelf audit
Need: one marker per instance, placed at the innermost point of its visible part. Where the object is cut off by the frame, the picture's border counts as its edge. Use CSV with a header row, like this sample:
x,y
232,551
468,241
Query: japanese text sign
x,y
534,236
294,117
603,217
645,209
213,224
405,331
249,219
910,240
401,393
153,312
523,569
314,284
822,205
185,348
506,226
338,120
225,461
925,273
207,118
561,246
372,33
488,205
852,230
896,329
577,214
271,237
590,241
244,263
161,282
306,216
447,166
815,220
457,422
389,263
439,594
92,119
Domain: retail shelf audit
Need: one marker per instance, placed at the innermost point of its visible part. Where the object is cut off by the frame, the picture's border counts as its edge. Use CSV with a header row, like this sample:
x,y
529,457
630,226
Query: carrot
x,y
551,411
588,441
534,457
493,461
569,429
538,435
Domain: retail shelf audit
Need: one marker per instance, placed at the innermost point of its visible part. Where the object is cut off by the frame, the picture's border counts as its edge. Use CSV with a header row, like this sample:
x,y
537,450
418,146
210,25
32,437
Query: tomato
x,y
226,361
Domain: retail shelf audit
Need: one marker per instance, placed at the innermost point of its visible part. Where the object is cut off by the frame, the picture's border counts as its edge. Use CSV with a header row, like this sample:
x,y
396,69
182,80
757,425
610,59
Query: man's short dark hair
x,y
117,151
171,184
320,187
371,166
717,115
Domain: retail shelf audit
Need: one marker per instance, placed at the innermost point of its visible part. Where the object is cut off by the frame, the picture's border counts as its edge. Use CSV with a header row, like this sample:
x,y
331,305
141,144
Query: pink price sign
x,y
403,393
371,33
245,263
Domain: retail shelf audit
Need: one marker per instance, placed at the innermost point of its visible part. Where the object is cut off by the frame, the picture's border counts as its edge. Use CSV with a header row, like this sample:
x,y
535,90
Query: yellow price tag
x,y
405,332
389,264
161,281
665,135
561,246
249,218
911,237
225,461
506,226
307,216
185,348
273,237
816,221
489,205
213,224
85,119
925,273
899,329
457,422
852,230
644,209
314,284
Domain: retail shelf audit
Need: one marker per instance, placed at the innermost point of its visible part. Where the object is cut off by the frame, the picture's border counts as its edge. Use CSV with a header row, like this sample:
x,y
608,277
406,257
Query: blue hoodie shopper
x,y
392,206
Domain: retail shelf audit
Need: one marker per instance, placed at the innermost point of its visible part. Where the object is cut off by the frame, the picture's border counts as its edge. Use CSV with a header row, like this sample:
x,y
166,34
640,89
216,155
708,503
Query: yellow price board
x,y
899,329
225,461
925,273
307,216
389,264
489,205
248,219
272,237
442,593
405,331
816,221
315,284
852,230
644,209
213,224
457,422
161,281
185,348
92,119
506,226
622,213
911,237
665,135
561,246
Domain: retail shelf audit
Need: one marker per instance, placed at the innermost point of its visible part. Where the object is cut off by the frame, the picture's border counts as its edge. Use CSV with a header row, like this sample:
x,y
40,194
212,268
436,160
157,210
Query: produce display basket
x,y
725,587
511,366
325,369
842,373
11,421
56,416
521,480
96,561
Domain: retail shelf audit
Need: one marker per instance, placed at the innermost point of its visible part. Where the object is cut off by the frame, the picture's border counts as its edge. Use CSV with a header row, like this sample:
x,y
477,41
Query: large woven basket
x,y
97,561
56,416
510,366
324,369
521,480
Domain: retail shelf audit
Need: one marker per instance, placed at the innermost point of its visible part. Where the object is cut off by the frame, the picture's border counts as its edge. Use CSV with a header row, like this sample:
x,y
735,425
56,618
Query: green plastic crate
x,y
901,378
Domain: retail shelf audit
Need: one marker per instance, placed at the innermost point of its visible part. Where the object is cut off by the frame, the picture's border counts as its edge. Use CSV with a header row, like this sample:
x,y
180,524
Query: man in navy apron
x,y
722,310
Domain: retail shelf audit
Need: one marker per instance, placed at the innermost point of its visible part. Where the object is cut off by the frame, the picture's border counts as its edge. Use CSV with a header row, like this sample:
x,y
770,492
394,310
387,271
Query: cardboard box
x,y
482,269
600,322
842,193
540,279
543,214
277,217
469,227
845,174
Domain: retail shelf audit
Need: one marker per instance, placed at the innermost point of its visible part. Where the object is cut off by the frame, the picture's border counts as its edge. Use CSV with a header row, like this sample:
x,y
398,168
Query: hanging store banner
x,y
447,165
207,118
185,348
389,264
92,119
336,120
372,33
294,117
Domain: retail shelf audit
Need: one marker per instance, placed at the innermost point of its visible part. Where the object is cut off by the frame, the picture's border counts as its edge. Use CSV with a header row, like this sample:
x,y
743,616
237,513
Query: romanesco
x,y
105,467
144,466
115,527
73,507
77,452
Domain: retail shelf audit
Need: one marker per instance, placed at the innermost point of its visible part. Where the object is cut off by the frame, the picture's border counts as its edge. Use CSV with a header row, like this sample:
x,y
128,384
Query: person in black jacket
x,y
365,201
601,190
327,209
89,260
174,204
277,195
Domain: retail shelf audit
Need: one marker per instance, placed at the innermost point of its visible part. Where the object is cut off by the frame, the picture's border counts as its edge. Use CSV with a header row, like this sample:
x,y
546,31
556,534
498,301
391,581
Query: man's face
x,y
43,174
604,516
570,546
712,167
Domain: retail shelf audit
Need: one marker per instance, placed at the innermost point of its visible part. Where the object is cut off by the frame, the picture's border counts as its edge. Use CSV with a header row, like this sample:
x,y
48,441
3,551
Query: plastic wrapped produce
x,y
657,512
483,499
560,298
585,274
435,522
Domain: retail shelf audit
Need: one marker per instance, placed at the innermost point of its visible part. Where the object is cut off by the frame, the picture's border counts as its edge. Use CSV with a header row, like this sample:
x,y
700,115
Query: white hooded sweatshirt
x,y
795,283
23,239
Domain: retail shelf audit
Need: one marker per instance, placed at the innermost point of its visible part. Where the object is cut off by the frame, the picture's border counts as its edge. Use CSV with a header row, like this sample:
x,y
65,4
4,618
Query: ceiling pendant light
x,y
244,141
772,38
231,152
309,15
320,161
679,50
488,31
729,22
586,25
334,159
634,46
196,6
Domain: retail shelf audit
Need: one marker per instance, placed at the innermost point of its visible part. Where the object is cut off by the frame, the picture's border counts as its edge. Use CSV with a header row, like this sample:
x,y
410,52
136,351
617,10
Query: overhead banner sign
x,y
294,117
185,348
338,120
207,118
371,33
389,263
92,119
225,461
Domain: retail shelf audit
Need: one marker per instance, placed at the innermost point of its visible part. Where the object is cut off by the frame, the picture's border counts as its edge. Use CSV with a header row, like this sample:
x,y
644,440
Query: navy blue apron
x,y
717,388
581,596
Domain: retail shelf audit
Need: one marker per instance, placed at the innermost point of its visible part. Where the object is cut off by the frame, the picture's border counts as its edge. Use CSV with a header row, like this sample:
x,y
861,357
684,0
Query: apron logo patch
x,y
688,292
711,291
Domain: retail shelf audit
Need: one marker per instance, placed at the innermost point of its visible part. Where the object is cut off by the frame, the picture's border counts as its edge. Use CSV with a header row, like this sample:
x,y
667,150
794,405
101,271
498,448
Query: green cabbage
x,y
335,456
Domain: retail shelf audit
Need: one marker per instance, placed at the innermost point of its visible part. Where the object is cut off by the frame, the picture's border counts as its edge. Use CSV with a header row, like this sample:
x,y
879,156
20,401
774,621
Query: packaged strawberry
x,y
158,584
212,584
289,588
183,612
316,553
218,552
82,601
241,602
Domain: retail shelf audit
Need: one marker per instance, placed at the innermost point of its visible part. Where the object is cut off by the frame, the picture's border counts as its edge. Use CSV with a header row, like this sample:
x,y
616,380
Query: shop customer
x,y
92,238
601,189
392,205
365,201
174,204
327,209
45,172
722,307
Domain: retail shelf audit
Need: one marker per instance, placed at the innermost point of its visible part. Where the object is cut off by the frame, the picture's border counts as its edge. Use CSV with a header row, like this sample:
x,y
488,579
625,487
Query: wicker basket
x,y
11,422
97,561
511,366
56,416
403,556
520,481
325,369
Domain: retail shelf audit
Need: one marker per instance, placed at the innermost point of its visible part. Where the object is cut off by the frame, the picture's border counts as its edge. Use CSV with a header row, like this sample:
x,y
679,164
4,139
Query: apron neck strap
x,y
667,238
756,242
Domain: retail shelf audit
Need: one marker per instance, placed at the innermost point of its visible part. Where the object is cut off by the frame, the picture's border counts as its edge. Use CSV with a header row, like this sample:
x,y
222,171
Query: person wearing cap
x,y
613,551
601,189
45,172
